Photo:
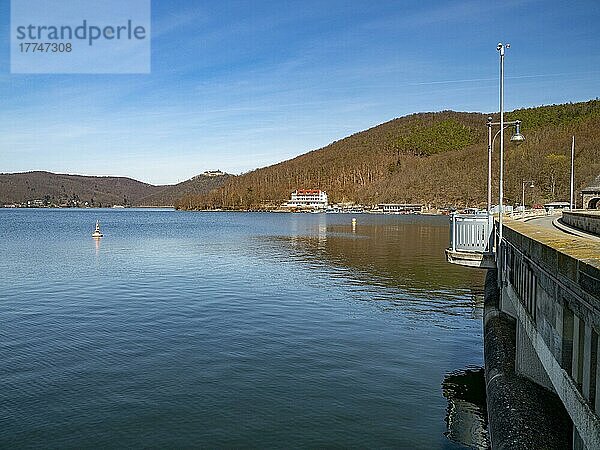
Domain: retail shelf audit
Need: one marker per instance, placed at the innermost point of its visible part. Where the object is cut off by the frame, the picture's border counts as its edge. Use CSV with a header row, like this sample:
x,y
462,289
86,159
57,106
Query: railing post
x,y
491,239
453,228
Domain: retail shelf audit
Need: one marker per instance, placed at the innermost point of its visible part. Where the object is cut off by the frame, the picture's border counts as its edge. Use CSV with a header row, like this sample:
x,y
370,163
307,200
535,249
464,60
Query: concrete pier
x,y
549,284
522,414
542,326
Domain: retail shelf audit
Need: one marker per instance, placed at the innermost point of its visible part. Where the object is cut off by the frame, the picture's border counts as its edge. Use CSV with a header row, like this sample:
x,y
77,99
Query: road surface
x,y
547,223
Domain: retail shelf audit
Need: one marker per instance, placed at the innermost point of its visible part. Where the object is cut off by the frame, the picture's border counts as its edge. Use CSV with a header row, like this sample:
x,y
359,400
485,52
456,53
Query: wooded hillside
x,y
438,159
169,195
75,190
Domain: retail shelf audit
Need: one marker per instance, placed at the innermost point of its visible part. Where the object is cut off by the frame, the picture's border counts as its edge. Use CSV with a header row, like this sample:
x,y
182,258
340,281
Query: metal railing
x,y
472,233
528,214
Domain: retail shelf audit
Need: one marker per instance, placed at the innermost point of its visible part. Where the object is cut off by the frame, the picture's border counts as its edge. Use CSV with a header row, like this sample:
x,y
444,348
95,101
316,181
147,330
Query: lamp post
x,y
516,138
501,48
523,194
489,186
572,198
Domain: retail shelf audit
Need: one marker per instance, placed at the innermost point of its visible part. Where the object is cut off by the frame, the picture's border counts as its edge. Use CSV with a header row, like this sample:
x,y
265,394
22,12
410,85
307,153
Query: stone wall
x,y
550,283
590,199
588,221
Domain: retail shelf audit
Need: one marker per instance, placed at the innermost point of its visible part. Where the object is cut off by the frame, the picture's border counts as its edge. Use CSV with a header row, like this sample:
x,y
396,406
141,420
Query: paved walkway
x,y
544,221
548,222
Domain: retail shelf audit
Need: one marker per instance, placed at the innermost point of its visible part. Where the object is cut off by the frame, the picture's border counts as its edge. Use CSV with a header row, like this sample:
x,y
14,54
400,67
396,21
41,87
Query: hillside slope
x,y
169,195
75,190
431,158
61,189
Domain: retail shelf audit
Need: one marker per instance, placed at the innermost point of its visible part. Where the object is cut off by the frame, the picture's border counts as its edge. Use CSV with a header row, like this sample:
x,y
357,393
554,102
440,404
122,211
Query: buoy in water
x,y
97,233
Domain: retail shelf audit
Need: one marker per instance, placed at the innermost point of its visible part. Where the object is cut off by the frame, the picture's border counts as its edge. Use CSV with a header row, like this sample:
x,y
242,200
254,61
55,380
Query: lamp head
x,y
517,137
531,185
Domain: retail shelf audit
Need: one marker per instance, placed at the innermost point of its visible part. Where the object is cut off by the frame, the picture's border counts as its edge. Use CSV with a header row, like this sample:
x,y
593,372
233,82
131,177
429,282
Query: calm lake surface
x,y
182,329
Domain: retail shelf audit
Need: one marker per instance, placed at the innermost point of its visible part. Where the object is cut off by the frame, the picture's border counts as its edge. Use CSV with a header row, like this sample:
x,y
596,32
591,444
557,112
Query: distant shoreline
x,y
86,207
223,210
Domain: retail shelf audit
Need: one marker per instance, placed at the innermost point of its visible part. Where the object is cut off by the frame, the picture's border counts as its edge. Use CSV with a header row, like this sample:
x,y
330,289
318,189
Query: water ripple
x,y
229,330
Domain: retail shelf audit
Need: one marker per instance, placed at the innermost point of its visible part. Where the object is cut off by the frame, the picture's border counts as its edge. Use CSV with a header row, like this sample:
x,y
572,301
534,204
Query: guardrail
x,y
529,214
471,233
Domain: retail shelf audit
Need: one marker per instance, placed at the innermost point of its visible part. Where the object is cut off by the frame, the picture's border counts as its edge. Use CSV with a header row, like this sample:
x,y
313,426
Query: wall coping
x,y
573,257
595,215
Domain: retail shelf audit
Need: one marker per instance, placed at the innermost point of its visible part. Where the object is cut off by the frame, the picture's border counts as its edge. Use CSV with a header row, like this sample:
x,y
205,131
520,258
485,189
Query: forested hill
x,y
52,189
430,158
169,195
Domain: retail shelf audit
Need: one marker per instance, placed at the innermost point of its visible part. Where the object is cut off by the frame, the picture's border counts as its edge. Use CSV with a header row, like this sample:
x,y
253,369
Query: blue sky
x,y
237,85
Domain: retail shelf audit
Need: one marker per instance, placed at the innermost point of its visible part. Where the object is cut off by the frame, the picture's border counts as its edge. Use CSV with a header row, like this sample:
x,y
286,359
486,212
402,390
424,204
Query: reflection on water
x,y
407,251
404,254
466,416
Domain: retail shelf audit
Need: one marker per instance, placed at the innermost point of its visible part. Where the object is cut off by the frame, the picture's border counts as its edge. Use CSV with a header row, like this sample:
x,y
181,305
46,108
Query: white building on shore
x,y
308,199
399,208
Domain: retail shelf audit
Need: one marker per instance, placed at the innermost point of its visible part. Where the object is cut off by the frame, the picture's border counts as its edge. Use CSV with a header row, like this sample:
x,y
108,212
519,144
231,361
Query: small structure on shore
x,y
556,205
97,234
590,196
400,208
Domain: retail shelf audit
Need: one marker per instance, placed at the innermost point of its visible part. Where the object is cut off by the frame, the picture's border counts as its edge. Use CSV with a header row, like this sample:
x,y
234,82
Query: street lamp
x,y
517,138
523,194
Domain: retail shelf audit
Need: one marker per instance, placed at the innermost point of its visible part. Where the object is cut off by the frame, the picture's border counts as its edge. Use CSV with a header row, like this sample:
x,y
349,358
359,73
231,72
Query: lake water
x,y
182,329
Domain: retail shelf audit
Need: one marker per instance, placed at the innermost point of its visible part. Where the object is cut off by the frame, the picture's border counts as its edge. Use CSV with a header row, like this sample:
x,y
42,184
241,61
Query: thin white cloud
x,y
517,77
